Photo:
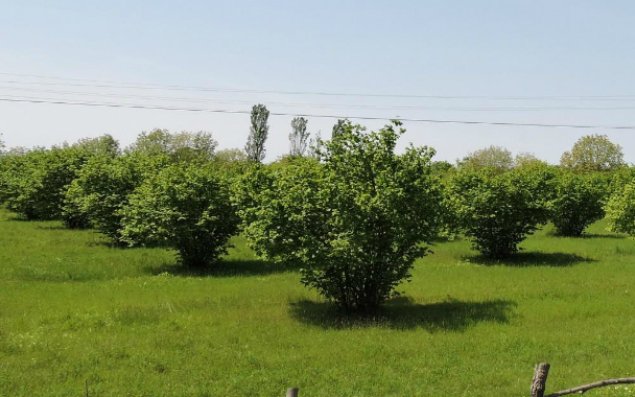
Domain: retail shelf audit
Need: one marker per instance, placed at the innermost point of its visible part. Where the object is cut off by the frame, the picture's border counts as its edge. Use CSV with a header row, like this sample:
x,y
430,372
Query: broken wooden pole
x,y
538,384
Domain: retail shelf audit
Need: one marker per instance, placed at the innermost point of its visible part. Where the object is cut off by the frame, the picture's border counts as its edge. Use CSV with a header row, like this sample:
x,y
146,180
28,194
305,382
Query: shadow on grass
x,y
602,235
402,313
57,227
528,259
228,268
585,235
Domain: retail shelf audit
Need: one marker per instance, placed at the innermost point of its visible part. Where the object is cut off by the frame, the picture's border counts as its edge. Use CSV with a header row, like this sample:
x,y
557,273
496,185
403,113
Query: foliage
x,y
255,147
298,137
230,155
102,186
441,167
186,207
104,145
340,126
179,147
525,159
593,153
620,210
498,211
578,202
35,183
493,157
356,222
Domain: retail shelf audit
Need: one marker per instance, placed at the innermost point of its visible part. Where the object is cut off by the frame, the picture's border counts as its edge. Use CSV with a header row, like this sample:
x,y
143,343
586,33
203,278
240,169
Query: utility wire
x,y
318,105
110,84
330,116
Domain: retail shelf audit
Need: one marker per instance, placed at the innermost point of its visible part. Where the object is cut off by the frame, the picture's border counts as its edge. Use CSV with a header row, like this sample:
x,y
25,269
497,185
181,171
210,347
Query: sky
x,y
515,61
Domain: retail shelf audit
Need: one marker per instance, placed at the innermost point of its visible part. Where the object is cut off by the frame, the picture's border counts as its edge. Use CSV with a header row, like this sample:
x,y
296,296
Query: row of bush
x,y
355,215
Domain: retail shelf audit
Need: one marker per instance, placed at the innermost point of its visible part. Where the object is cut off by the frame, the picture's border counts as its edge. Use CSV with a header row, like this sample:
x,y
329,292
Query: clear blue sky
x,y
484,48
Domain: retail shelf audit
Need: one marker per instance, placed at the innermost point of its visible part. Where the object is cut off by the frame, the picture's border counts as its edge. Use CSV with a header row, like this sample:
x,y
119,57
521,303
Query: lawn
x,y
79,317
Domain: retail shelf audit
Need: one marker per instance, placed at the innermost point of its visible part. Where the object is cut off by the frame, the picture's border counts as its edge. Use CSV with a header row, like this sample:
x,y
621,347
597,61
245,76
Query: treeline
x,y
353,212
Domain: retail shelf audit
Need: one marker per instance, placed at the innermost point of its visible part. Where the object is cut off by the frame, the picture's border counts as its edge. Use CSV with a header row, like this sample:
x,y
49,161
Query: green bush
x,y
102,187
34,182
355,222
498,211
186,207
620,210
35,189
578,202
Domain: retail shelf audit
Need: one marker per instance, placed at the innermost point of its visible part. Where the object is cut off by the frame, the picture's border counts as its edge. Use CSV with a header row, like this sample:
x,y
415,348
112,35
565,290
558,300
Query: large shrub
x,y
620,210
102,187
35,181
35,187
578,202
186,207
356,221
498,211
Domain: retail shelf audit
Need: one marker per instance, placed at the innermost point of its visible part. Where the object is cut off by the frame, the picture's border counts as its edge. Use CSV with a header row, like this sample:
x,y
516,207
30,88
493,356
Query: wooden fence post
x,y
538,384
293,392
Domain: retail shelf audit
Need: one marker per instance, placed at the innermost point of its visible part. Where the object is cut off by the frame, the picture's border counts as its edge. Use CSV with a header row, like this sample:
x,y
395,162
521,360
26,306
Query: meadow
x,y
79,317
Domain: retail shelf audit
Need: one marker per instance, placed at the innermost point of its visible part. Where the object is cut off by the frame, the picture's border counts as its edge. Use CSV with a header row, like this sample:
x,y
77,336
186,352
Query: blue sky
x,y
486,49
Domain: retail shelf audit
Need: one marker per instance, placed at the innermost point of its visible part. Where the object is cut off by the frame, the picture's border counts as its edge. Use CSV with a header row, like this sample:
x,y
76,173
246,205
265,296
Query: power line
x,y
330,116
75,82
319,105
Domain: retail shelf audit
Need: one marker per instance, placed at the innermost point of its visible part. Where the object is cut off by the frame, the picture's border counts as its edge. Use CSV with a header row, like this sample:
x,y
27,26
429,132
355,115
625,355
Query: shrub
x,y
498,211
35,187
578,202
34,182
620,210
186,207
355,222
102,187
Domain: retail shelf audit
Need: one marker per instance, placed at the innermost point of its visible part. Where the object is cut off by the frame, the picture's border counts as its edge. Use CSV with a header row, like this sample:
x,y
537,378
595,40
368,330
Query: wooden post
x,y
538,384
293,392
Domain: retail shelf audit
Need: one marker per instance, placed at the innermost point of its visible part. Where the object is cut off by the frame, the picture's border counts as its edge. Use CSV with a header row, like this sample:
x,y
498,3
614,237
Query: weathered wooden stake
x,y
293,392
538,384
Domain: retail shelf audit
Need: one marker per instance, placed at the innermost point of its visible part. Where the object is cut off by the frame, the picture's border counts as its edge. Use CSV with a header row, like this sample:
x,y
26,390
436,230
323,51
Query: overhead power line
x,y
330,116
318,105
75,82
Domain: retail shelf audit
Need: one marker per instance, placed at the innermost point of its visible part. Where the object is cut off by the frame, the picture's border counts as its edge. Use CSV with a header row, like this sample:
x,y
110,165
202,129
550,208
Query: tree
x,y
497,211
104,145
230,155
527,160
620,210
578,202
298,137
179,147
185,207
340,126
255,147
356,220
593,153
2,145
493,157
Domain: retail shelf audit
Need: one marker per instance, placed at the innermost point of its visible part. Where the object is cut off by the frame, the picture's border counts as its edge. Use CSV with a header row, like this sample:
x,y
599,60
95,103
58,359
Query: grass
x,y
78,317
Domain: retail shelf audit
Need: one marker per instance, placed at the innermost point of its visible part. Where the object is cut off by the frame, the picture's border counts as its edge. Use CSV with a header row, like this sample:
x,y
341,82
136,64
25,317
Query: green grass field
x,y
78,317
